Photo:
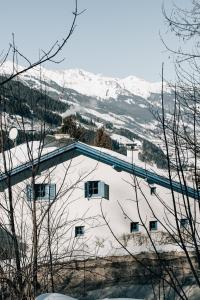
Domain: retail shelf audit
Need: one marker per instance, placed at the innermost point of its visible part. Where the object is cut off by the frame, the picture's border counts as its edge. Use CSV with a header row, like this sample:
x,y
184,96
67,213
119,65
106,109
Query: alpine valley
x,y
130,103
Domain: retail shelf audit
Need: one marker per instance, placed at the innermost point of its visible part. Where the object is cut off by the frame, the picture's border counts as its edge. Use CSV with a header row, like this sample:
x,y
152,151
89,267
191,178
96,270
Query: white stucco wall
x,y
130,200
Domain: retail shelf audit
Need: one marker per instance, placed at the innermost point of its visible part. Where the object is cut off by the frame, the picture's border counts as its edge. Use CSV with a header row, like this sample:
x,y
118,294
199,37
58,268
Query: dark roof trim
x,y
65,153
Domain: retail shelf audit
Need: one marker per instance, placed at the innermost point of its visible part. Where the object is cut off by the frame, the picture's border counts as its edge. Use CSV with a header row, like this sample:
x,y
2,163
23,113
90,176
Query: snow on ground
x,y
130,101
121,139
55,296
100,124
121,299
142,105
130,118
106,117
152,125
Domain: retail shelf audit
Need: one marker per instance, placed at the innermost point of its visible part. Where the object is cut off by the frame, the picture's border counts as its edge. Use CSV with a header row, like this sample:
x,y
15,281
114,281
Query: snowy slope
x,y
119,103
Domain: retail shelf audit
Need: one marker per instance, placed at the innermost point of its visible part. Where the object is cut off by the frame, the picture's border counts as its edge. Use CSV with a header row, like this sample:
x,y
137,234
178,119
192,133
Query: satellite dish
x,y
13,133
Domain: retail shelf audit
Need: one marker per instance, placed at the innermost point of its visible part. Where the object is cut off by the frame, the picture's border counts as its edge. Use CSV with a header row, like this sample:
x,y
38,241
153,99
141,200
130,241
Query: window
x,y
96,189
152,190
184,223
134,226
153,225
40,191
79,231
43,191
93,187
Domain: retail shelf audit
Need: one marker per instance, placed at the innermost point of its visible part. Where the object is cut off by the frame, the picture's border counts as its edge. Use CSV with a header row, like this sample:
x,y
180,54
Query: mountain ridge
x,y
113,107
90,84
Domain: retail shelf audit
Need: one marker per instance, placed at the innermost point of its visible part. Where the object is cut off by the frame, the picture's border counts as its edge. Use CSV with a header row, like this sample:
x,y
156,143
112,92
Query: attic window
x,y
134,226
96,189
152,190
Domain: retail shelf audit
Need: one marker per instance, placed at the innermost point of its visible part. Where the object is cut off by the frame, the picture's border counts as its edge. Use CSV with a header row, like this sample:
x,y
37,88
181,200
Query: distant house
x,y
87,198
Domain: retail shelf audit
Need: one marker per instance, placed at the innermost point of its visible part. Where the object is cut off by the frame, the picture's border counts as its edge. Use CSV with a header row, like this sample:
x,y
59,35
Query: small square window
x,y
134,226
152,190
184,223
153,225
79,230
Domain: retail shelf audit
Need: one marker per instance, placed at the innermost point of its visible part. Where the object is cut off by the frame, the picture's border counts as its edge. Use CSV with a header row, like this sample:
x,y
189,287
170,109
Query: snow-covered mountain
x,y
120,102
86,83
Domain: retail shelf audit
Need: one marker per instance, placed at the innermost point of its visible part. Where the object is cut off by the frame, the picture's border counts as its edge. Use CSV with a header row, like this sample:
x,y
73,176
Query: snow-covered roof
x,y
117,161
20,154
54,296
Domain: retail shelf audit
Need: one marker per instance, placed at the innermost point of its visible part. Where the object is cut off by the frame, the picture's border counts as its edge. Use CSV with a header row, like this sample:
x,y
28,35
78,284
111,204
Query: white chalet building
x,y
91,201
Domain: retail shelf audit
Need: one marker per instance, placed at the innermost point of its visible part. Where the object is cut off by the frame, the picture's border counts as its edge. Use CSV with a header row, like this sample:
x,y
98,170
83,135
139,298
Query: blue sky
x,y
113,37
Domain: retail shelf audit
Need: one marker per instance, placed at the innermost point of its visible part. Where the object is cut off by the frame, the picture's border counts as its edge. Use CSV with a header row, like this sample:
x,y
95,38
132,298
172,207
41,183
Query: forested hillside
x,y
19,99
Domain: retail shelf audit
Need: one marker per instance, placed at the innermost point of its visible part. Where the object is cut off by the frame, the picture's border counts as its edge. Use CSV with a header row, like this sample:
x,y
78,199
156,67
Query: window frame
x,y
40,191
96,189
134,228
184,223
153,228
79,231
43,192
93,188
152,190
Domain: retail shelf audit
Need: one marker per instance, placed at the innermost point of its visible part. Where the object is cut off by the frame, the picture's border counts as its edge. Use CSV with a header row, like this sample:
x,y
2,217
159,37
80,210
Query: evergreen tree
x,y
102,139
71,127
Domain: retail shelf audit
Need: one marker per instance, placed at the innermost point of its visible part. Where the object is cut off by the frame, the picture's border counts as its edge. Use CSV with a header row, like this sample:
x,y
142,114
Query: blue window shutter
x,y
52,191
86,189
101,189
106,191
29,192
47,192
